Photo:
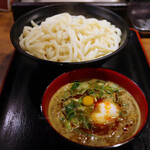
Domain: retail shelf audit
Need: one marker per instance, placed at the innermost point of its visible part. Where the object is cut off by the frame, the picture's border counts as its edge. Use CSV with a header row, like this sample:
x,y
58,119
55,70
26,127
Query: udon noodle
x,y
67,38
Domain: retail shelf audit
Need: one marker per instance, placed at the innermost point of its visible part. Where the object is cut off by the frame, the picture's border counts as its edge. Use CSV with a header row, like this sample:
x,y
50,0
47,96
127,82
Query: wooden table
x,y
7,49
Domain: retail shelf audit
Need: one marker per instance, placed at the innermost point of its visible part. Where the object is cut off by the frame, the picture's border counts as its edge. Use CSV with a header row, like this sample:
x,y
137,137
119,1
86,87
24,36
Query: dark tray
x,y
22,125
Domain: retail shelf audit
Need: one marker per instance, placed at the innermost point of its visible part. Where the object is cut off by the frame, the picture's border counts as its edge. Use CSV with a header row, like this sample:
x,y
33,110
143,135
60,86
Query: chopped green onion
x,y
80,101
75,85
68,125
120,114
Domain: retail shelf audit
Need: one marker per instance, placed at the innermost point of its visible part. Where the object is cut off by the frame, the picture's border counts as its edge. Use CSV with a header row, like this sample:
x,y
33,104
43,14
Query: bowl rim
x,y
73,63
127,79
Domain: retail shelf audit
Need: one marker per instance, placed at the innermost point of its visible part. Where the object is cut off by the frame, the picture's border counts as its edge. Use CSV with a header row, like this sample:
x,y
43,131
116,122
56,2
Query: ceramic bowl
x,y
103,74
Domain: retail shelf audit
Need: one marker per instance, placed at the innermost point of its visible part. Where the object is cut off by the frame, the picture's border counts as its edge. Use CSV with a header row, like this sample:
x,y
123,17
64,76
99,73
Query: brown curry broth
x,y
118,131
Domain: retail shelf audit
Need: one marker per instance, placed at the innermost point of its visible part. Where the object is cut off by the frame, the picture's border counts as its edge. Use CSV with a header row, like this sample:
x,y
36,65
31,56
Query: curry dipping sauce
x,y
94,113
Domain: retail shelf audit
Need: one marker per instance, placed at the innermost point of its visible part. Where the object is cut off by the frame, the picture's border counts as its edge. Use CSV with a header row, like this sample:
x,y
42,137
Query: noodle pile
x,y
66,38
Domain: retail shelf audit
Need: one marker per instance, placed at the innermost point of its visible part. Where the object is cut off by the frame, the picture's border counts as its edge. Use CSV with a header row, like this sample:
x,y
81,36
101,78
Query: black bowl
x,y
40,14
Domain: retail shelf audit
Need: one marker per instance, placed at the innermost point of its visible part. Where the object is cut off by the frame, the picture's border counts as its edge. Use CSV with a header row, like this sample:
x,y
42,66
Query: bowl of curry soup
x,y
95,107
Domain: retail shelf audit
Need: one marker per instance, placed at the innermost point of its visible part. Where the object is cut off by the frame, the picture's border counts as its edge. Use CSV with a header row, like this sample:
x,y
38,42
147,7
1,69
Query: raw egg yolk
x,y
105,112
87,100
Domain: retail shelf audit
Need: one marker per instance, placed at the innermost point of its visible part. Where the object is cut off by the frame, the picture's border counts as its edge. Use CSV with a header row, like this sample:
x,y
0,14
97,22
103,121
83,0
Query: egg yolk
x,y
88,100
105,112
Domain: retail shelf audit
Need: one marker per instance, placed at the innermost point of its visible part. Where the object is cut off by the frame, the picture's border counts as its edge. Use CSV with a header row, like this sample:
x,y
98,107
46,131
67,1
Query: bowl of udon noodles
x,y
95,108
69,34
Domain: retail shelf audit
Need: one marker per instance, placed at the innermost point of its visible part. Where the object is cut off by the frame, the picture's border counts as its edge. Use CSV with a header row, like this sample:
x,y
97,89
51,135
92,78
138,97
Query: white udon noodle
x,y
67,38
